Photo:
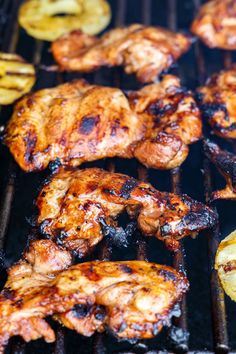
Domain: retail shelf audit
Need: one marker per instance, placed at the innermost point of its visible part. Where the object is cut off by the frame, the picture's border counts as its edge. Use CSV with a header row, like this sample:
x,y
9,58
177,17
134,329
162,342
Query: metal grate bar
x,y
142,170
9,45
178,257
106,249
220,334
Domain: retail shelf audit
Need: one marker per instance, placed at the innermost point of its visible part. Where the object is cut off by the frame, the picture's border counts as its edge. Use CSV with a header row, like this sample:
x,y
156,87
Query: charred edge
x,y
87,124
209,109
8,293
193,221
225,161
159,110
126,269
30,143
53,166
117,235
60,237
127,188
167,275
81,311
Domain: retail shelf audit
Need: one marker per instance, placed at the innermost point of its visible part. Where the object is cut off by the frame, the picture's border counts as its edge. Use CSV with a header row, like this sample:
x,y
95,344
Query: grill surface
x,y
203,328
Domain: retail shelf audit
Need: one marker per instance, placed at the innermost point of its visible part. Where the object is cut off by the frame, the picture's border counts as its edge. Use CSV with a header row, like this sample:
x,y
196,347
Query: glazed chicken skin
x,y
78,208
215,24
77,122
225,162
144,51
217,101
133,299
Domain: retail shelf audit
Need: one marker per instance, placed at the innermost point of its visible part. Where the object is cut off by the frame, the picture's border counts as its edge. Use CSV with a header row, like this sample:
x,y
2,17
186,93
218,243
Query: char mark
x,y
128,187
209,109
126,269
30,143
167,275
198,218
225,161
87,124
117,235
8,293
81,311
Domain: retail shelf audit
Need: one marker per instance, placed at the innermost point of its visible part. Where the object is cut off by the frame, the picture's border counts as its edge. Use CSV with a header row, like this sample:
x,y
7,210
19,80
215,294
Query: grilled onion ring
x,y
16,77
225,264
43,19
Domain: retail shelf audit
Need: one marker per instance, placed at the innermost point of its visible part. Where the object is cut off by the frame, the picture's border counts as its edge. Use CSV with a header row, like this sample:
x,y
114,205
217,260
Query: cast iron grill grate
x,y
207,334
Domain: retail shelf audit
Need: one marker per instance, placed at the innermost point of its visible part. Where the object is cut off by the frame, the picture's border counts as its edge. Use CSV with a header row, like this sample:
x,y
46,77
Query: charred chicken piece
x,y
133,299
226,164
144,51
215,24
217,100
76,209
77,122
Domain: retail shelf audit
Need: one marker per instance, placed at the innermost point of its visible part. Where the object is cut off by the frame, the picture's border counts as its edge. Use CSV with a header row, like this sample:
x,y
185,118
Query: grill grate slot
x,y
10,37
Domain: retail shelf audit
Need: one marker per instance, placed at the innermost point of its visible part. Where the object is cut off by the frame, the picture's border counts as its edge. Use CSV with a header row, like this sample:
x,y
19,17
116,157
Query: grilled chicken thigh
x,y
226,164
144,51
77,122
215,24
217,99
133,299
77,208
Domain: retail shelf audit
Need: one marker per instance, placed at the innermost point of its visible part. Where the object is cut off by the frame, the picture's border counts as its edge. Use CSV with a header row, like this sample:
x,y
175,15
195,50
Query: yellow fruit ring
x,y
226,264
16,77
48,20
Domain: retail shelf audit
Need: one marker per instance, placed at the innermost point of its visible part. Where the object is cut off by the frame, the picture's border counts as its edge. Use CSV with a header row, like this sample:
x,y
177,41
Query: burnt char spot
x,y
198,218
109,191
159,110
54,165
115,126
124,268
100,313
209,109
61,235
91,274
81,311
169,276
156,109
117,235
30,143
87,124
8,293
122,327
127,188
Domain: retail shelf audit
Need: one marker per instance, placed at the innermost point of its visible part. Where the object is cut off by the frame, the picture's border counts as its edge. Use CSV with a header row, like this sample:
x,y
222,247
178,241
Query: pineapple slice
x,y
225,264
48,20
16,77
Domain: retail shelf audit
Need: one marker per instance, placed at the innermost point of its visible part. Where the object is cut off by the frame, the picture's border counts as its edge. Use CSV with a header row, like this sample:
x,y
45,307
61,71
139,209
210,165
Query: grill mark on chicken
x,y
128,187
84,205
87,124
225,162
30,143
131,299
144,51
77,122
